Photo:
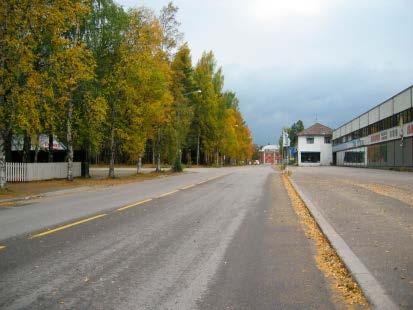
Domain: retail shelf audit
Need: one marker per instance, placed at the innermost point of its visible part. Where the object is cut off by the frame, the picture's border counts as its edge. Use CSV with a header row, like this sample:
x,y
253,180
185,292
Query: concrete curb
x,y
372,289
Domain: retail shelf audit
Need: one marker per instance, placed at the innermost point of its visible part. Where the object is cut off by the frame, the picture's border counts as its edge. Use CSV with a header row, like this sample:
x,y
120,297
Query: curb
x,y
371,288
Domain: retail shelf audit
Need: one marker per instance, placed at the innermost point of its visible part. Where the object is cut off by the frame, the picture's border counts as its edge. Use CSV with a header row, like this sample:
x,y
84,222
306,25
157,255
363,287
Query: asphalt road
x,y
232,242
372,210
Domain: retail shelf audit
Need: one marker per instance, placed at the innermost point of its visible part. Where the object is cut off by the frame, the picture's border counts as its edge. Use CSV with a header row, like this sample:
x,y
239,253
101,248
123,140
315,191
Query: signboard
x,y
406,130
286,139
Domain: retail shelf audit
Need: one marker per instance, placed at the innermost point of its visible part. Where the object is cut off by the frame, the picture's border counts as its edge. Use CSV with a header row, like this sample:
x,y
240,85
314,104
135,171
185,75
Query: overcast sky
x,y
295,59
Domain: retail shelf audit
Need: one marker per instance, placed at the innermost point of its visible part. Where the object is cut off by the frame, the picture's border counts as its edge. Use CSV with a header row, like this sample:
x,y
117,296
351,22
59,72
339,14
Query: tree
x,y
104,32
139,85
71,63
294,130
182,89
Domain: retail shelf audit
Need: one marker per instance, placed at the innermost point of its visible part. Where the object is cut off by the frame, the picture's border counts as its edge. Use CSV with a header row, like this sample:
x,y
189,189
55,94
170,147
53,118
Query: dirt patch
x,y
17,190
389,191
326,258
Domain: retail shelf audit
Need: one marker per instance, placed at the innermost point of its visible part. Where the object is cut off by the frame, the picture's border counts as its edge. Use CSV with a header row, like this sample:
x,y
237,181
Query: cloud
x,y
290,59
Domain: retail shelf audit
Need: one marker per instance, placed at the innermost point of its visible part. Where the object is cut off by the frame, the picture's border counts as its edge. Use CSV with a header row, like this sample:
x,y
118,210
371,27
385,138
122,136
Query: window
x,y
327,140
310,157
354,157
310,140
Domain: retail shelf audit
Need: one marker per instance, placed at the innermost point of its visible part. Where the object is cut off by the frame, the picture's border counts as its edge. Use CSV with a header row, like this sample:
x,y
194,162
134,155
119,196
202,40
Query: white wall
x,y
325,149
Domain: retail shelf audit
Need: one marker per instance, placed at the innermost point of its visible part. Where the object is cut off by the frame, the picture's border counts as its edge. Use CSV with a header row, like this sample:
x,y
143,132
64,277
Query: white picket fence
x,y
22,172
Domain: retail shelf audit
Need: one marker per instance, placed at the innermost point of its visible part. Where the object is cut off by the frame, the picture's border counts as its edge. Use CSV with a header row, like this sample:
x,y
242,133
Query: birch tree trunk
x,y
139,165
69,139
112,145
158,152
112,153
2,164
197,151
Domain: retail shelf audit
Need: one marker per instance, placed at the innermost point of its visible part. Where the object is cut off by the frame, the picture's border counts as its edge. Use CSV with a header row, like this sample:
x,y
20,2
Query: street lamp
x,y
198,91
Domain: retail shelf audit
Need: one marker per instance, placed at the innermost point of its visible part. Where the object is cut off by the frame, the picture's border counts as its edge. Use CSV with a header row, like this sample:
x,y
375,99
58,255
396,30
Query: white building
x,y
314,146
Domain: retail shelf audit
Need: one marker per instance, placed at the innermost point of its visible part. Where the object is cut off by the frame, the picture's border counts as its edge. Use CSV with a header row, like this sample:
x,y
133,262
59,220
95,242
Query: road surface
x,y
216,239
372,210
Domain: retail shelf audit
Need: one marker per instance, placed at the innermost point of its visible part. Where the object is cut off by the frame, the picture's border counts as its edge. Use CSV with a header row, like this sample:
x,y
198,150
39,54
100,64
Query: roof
x,y
316,130
270,147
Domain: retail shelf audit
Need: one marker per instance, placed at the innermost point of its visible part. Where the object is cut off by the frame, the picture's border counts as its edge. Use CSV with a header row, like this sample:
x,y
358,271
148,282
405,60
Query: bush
x,y
177,166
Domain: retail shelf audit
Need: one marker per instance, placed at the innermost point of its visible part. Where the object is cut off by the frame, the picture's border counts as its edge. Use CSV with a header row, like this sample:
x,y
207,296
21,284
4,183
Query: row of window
x,y
310,140
405,116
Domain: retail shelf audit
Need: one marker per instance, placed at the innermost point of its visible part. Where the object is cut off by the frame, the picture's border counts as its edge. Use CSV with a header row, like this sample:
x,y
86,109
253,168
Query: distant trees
x,y
295,128
100,79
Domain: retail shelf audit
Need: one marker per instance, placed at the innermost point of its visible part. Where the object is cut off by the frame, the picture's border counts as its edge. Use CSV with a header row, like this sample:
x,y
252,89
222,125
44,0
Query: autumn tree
x,y
139,86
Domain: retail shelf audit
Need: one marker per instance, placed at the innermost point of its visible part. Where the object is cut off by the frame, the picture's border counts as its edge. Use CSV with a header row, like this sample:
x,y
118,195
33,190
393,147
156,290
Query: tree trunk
x,y
87,160
112,154
69,142
197,151
189,158
8,138
112,145
26,148
36,150
139,165
158,152
153,154
50,159
2,164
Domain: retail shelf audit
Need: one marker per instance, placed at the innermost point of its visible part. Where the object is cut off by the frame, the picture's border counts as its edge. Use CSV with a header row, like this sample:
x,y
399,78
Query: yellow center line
x,y
134,204
2,247
189,186
169,193
51,231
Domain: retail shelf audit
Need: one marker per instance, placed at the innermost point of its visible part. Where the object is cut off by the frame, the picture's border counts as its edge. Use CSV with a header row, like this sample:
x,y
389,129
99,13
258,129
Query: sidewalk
x,y
25,190
377,227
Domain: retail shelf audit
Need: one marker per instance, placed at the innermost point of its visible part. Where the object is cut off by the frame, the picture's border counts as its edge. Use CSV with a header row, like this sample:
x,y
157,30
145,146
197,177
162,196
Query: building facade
x,y
314,146
270,154
381,137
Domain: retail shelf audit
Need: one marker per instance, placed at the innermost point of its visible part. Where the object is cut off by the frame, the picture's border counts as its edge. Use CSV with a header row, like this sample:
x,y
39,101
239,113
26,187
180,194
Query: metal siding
x,y
364,120
386,109
374,115
407,152
402,101
390,153
355,124
398,155
348,128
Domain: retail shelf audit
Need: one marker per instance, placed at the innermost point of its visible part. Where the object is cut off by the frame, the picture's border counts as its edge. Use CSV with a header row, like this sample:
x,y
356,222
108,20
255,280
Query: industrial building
x,y
381,137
